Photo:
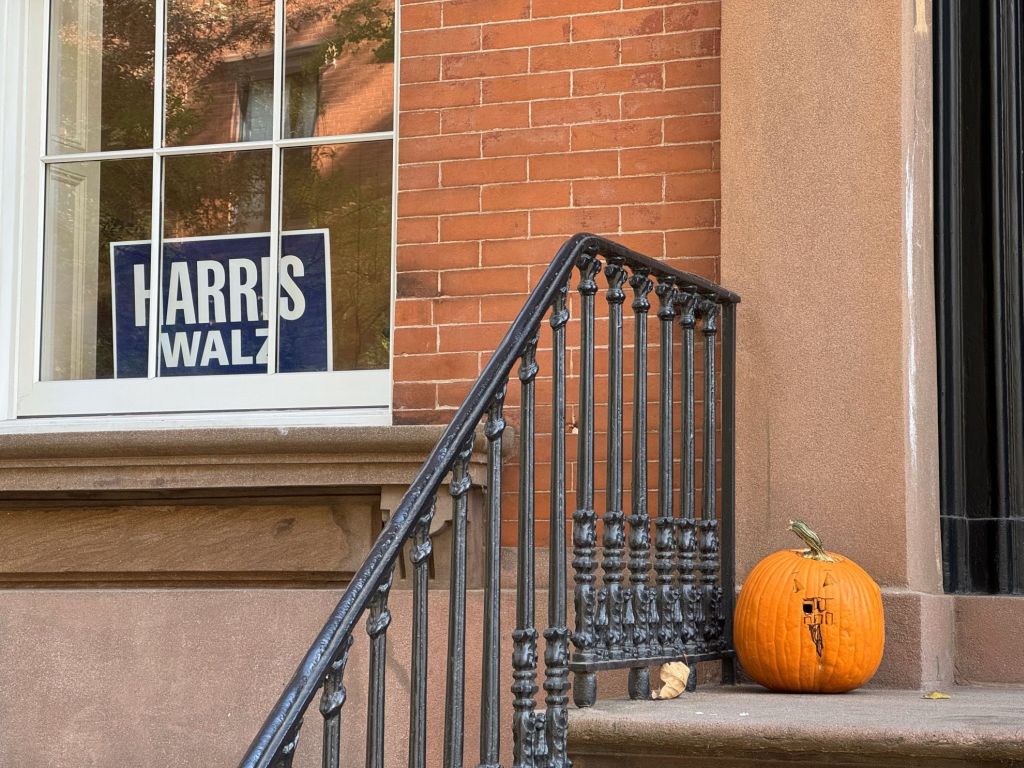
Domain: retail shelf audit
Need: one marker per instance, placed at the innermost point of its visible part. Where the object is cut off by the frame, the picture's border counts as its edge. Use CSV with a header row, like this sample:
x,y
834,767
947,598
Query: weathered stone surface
x,y
748,726
221,539
217,458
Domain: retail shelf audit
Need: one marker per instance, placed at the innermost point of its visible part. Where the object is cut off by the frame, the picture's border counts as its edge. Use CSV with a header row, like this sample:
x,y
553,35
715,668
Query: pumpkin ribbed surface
x,y
807,625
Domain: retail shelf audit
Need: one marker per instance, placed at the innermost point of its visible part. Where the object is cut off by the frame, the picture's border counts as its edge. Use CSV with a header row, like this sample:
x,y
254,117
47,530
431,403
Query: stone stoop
x,y
747,726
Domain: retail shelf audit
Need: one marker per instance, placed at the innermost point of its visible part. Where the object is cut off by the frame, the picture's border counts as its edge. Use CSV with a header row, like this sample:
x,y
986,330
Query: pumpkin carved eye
x,y
829,581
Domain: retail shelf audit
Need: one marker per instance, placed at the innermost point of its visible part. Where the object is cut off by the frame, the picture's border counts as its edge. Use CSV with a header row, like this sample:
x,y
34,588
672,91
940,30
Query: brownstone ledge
x,y
244,457
748,726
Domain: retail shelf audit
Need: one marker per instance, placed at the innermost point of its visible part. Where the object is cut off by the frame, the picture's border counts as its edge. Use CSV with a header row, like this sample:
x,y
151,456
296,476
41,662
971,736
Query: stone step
x,y
747,726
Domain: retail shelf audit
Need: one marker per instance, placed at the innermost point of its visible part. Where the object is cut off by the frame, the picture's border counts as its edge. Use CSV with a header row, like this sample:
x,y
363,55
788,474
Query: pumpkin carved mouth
x,y
817,615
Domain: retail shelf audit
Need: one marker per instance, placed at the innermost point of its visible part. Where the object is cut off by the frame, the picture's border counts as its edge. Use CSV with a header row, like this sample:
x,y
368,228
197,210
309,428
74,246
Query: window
x,y
207,213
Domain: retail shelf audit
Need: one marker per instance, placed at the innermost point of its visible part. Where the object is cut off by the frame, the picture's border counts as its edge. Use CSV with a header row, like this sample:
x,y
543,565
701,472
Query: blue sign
x,y
213,298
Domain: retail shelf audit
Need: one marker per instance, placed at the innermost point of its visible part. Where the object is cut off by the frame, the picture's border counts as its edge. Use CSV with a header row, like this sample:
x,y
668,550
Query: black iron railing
x,y
621,619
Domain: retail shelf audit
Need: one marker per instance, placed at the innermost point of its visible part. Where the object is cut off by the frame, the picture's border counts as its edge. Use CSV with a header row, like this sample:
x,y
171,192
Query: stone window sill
x,y
239,458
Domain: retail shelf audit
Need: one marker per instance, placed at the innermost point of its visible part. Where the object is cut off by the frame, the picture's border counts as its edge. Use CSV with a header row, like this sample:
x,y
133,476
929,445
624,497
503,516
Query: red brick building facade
x,y
522,123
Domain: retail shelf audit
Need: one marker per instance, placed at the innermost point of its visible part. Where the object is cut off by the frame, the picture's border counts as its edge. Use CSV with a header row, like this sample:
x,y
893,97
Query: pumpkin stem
x,y
815,550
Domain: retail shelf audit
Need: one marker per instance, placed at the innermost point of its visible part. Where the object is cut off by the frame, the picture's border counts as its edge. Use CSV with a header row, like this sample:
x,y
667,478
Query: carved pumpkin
x,y
809,621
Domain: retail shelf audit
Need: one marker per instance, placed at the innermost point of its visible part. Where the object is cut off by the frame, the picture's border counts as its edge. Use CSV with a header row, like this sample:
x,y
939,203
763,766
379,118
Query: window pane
x,y
221,193
345,190
212,275
220,62
90,208
339,67
101,75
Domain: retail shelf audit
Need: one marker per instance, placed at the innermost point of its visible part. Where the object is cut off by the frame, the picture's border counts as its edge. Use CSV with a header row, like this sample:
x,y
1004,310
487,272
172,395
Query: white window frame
x,y
28,404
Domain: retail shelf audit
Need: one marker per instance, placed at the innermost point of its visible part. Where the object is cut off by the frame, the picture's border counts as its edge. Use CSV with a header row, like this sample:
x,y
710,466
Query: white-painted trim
x,y
273,308
29,195
156,206
237,392
11,32
397,5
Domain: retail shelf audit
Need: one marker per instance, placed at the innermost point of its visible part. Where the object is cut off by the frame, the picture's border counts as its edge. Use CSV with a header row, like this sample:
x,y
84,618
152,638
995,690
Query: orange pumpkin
x,y
809,621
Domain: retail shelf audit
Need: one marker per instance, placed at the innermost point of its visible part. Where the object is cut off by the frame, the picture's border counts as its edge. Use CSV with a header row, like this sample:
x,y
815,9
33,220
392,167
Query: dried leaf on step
x,y
936,695
673,678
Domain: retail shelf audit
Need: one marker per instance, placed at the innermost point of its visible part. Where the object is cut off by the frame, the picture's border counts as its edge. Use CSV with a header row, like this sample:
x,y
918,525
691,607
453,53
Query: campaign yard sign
x,y
213,299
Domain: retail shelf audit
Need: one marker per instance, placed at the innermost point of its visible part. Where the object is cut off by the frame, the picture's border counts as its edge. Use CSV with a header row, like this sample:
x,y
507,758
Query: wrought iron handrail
x,y
599,638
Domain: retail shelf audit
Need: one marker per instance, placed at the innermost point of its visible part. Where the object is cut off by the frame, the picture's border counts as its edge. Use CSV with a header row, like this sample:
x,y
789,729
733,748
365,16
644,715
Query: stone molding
x,y
235,458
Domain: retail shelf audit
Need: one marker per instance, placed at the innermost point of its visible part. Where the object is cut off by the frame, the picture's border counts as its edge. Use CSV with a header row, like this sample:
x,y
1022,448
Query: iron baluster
x,y
420,556
727,513
490,703
378,619
689,594
614,542
455,688
664,525
556,654
709,548
639,521
332,699
584,537
524,638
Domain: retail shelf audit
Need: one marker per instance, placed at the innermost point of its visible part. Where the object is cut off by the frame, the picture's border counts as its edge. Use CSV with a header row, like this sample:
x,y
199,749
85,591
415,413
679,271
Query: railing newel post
x,y
727,510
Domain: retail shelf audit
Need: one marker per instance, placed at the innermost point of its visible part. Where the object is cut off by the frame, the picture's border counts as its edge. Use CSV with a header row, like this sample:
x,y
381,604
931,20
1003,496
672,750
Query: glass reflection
x,y
221,193
91,209
101,75
220,71
345,189
339,67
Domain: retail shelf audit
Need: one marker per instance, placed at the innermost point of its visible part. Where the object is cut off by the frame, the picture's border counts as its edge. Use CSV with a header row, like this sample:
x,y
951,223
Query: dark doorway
x,y
978,261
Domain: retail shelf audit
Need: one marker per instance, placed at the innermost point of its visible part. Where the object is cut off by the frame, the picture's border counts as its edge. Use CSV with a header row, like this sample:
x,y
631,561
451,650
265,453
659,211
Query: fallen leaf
x,y
673,678
936,695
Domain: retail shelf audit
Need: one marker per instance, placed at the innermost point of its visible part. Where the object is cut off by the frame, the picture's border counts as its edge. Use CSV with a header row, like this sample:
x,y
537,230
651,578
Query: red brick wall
x,y
522,122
